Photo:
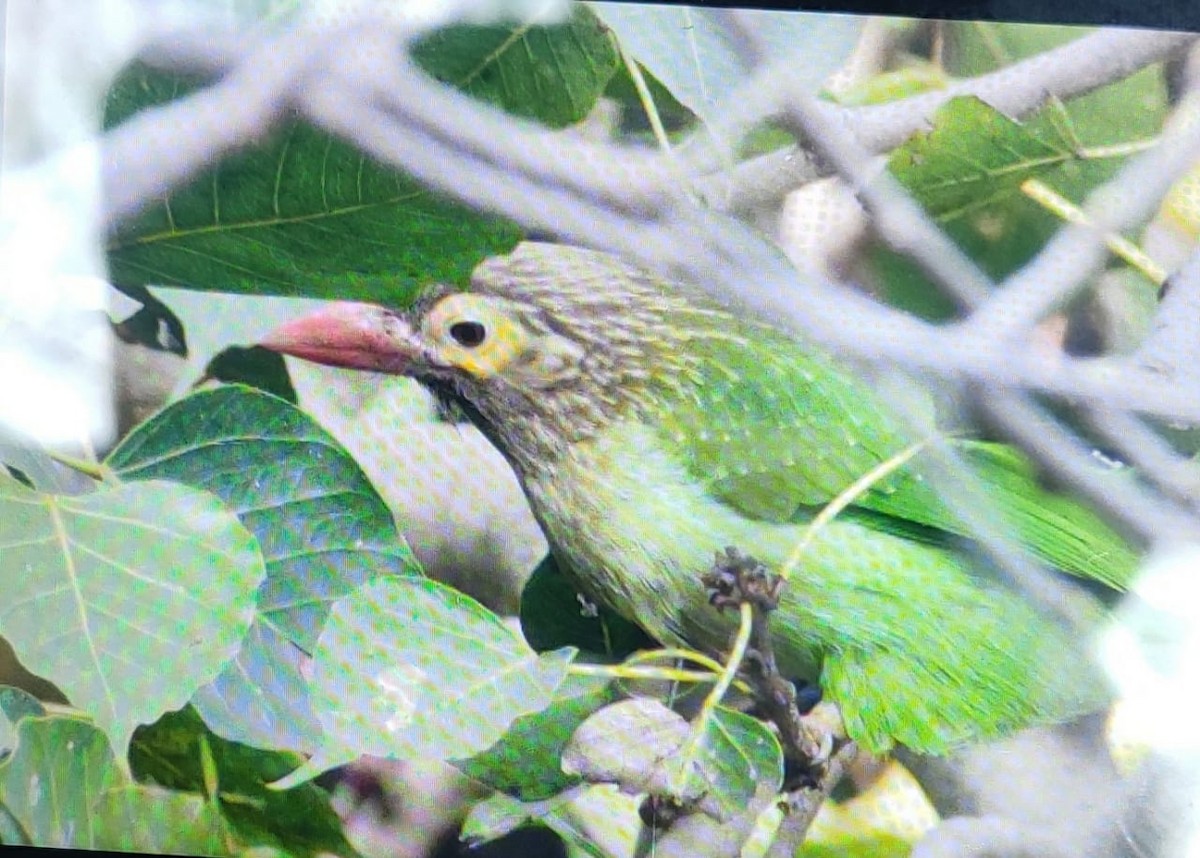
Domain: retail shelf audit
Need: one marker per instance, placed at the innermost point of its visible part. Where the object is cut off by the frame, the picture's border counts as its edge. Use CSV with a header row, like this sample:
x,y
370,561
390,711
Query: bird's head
x,y
550,344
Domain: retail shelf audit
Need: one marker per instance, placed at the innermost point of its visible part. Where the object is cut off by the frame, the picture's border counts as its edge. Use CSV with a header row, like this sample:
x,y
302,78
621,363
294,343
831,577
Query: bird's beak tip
x,y
346,334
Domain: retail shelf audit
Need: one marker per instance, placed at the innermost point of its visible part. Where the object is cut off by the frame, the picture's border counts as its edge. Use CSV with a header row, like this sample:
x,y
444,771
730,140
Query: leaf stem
x,y
647,100
1121,247
1116,150
676,652
622,671
687,753
96,470
846,497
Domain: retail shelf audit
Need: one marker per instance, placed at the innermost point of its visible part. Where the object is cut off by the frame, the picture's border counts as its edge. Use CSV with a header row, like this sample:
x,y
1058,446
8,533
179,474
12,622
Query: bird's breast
x,y
638,530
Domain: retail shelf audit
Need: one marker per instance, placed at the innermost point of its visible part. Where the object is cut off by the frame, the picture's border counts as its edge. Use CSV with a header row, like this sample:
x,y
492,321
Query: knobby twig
x,y
738,580
805,802
823,755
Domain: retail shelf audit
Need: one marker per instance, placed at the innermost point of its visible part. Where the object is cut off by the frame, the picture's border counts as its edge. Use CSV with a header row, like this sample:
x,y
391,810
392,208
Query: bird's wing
x,y
774,429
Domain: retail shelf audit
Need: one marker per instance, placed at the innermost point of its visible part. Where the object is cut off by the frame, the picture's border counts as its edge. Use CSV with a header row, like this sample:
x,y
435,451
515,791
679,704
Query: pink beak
x,y
349,335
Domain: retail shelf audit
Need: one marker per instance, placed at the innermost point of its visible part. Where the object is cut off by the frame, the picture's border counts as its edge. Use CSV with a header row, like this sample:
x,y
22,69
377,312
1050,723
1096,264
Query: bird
x,y
651,426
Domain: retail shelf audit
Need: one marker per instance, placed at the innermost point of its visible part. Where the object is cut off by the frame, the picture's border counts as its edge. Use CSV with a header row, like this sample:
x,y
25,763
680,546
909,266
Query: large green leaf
x,y
11,831
527,761
687,49
1003,237
304,214
307,214
147,819
1005,234
57,772
301,821
63,787
129,598
27,457
551,74
323,530
411,669
595,821
972,157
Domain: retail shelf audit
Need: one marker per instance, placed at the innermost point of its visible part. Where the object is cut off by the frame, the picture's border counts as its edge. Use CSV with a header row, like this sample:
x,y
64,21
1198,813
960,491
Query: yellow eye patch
x,y
478,334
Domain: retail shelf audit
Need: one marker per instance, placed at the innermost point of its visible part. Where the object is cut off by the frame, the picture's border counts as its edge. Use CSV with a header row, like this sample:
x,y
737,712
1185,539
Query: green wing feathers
x,y
936,694
917,649
979,664
776,431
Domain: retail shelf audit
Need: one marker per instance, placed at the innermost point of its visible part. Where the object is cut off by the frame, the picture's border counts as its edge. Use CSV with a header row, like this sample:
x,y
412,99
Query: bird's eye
x,y
468,334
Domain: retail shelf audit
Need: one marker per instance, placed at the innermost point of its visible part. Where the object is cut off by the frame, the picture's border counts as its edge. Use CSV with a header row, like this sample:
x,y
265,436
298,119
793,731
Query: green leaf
x,y
971,157
553,616
307,214
152,820
967,171
687,49
56,773
641,745
11,831
304,214
553,74
922,76
526,761
15,704
737,753
323,530
1005,235
635,744
1131,108
27,456
411,669
301,821
129,598
676,118
499,814
596,821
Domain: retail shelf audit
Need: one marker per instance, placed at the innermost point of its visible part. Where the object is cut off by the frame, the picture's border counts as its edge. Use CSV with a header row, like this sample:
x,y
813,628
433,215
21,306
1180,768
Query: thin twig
x,y
1017,90
804,803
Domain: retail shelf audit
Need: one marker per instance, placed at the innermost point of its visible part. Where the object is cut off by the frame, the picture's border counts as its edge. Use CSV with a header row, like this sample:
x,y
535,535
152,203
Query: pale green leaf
x,y
129,598
57,771
972,157
737,753
322,527
639,745
595,821
408,668
526,762
686,48
148,819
